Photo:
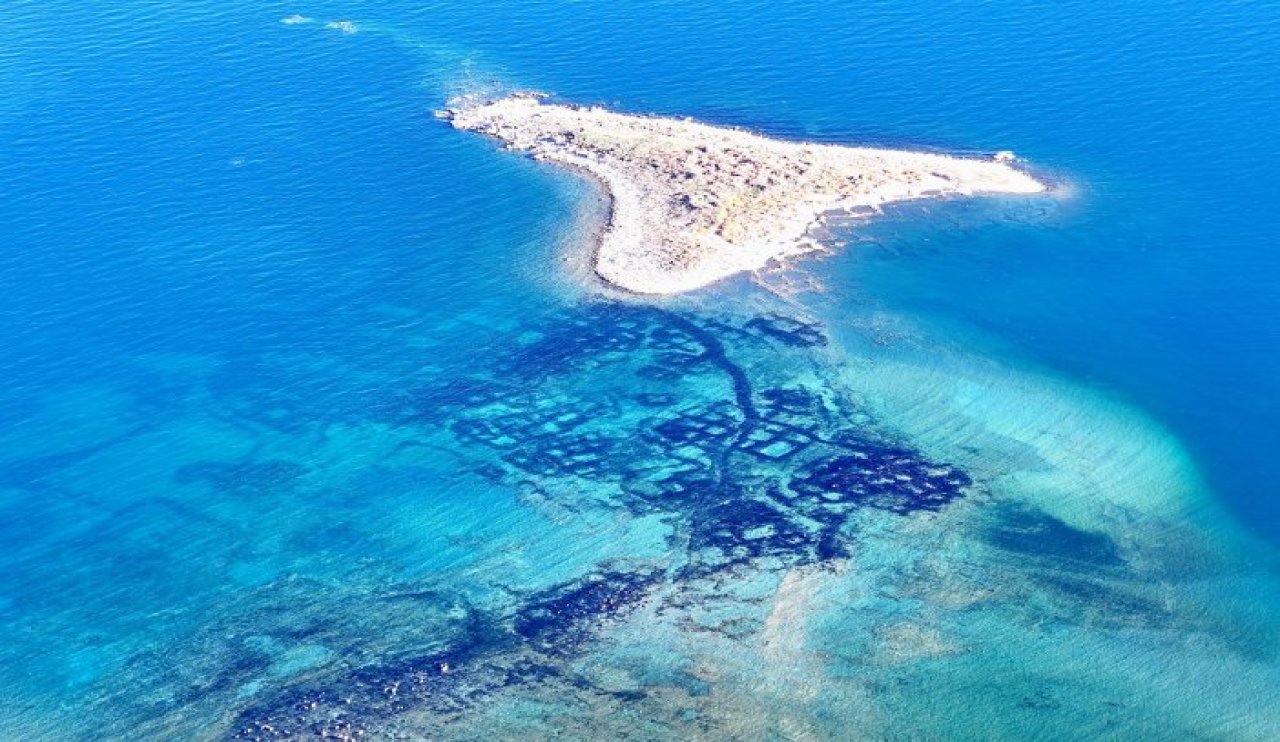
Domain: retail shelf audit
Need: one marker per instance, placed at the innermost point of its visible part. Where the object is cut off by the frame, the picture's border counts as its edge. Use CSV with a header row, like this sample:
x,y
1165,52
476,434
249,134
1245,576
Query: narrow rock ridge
x,y
694,203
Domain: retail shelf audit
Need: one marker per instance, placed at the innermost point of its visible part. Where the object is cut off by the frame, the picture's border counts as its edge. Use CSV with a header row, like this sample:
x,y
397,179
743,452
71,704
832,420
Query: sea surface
x,y
312,424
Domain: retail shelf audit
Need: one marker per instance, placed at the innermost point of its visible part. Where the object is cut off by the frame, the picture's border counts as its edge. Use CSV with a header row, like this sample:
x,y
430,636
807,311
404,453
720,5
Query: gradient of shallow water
x,y
300,433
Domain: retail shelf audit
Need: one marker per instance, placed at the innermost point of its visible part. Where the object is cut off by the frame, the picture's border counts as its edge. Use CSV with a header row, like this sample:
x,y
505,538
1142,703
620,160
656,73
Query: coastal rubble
x,y
694,203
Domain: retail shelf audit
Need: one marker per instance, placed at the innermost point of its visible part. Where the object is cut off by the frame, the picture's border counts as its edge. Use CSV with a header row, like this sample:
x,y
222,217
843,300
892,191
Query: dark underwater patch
x,y
882,477
558,620
750,466
246,476
489,656
788,330
1034,533
652,411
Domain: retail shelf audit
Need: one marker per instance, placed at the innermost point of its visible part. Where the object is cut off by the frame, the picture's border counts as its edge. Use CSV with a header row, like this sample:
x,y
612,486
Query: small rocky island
x,y
693,203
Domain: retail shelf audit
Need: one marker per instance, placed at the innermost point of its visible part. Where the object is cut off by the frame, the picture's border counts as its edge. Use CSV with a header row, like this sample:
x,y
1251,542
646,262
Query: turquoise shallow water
x,y
308,428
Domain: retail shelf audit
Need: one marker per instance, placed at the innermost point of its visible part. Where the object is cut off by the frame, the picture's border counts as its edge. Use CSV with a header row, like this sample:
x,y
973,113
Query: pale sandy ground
x,y
693,203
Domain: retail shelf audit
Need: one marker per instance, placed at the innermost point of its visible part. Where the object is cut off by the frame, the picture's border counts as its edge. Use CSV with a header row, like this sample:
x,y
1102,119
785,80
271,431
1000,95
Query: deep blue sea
x,y
309,428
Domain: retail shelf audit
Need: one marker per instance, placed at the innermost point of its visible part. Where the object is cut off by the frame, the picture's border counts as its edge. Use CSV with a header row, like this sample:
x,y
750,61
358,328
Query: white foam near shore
x,y
694,203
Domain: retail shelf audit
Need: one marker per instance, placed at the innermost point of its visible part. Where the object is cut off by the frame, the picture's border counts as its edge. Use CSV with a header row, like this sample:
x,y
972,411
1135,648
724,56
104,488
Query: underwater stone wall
x,y
644,411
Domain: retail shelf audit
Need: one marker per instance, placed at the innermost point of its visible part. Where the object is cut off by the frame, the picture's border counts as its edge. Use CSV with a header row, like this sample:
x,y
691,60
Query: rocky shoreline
x,y
694,203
